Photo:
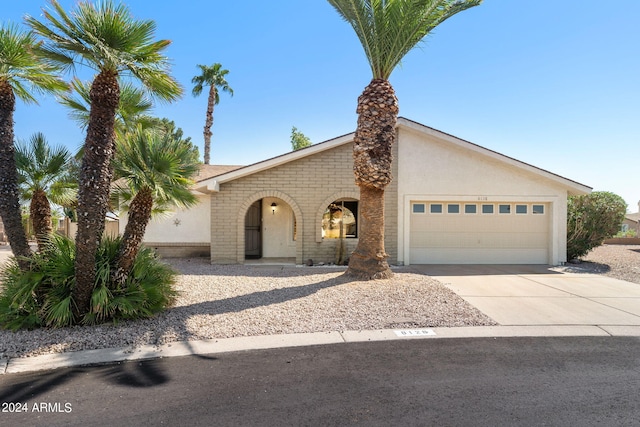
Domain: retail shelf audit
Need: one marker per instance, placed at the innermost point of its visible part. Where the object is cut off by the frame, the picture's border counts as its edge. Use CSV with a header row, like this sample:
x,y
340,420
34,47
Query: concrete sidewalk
x,y
225,345
527,301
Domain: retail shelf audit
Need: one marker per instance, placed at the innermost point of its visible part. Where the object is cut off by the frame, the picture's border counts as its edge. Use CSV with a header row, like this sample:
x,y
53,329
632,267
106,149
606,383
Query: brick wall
x,y
307,185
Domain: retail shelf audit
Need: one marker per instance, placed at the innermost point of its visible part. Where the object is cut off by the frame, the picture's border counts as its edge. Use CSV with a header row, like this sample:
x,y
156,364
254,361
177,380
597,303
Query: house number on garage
x,y
414,332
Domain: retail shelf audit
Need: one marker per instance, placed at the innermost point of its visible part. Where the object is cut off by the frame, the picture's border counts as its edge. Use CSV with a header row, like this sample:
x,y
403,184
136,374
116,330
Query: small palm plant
x,y
42,296
44,176
154,170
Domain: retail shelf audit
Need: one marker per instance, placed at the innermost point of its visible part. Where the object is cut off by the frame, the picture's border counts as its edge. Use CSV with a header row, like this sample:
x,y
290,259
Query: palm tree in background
x,y
214,77
154,170
387,30
108,39
22,74
44,176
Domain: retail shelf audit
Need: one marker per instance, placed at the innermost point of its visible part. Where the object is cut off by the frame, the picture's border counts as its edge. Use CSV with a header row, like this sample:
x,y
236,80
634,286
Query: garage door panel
x,y
478,256
480,238
475,223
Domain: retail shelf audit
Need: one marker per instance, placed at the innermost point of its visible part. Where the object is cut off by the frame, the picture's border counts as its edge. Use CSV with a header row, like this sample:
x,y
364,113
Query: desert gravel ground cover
x,y
231,301
619,261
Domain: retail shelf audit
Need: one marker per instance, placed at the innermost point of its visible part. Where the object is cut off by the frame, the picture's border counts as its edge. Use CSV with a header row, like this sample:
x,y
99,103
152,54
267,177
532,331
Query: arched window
x,y
340,220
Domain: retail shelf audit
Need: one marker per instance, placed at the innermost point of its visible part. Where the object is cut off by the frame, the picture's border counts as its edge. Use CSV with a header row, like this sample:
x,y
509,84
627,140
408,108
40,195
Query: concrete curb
x,y
226,345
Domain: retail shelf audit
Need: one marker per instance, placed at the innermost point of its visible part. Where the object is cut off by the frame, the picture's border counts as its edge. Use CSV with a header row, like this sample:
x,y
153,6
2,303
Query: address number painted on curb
x,y
414,332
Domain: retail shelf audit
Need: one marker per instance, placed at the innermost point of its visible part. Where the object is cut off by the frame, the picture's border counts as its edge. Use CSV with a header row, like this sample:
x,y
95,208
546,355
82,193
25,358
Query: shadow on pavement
x,y
481,269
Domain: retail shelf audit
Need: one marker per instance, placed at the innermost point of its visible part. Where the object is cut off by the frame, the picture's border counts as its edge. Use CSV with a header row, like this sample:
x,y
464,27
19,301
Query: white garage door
x,y
479,233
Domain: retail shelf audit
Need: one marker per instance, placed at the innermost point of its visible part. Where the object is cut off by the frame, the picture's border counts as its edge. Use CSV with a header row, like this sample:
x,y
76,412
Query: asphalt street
x,y
449,382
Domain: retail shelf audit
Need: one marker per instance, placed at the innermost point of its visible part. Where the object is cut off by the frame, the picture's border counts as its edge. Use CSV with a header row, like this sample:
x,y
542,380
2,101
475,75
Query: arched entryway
x,y
270,228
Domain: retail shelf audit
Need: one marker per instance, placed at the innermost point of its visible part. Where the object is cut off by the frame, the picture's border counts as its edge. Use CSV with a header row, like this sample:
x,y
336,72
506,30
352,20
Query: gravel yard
x,y
231,301
619,261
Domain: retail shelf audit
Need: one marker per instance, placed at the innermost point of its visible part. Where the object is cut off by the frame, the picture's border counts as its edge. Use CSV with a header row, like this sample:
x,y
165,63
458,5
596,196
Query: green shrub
x,y
626,234
591,219
41,297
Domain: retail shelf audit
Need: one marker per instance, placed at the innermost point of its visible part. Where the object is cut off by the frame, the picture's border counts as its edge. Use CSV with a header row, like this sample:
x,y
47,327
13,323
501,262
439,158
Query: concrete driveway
x,y
541,295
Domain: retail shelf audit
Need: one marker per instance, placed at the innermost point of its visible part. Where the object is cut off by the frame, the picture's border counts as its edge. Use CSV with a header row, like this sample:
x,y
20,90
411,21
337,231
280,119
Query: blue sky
x,y
552,83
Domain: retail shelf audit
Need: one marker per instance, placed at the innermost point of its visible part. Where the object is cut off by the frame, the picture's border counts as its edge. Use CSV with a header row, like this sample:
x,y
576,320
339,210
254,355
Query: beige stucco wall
x,y
277,229
305,187
179,226
432,168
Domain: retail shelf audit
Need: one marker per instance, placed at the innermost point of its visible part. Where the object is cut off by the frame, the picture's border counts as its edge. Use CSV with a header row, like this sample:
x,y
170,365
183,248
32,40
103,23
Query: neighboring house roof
x,y
633,217
205,172
209,171
212,184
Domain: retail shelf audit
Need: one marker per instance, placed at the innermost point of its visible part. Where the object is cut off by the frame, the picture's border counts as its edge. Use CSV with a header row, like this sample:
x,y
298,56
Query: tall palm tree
x,y
214,77
21,74
387,30
44,176
155,170
108,39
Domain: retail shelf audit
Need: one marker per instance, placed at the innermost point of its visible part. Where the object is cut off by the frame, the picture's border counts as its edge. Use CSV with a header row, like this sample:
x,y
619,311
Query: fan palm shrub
x,y
44,176
155,170
43,297
107,38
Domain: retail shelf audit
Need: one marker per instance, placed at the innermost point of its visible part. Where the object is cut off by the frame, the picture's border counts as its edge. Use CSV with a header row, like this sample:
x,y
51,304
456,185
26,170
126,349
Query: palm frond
x,y
213,76
133,107
389,29
22,68
159,161
45,167
105,36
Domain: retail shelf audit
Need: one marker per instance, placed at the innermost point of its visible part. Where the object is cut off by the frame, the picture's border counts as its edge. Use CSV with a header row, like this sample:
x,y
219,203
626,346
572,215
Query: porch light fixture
x,y
273,208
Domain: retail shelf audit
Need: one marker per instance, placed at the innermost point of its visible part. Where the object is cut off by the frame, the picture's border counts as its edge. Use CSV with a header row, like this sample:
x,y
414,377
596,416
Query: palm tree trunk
x,y
95,180
372,156
208,123
40,213
9,195
139,216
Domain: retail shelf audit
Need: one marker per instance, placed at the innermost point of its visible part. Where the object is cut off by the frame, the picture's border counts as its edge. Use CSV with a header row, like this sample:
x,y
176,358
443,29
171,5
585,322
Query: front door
x,y
252,235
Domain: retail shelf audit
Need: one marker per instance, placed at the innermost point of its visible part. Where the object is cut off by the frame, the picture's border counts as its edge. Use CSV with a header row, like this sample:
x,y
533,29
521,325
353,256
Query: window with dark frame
x,y
504,209
340,220
418,208
537,209
521,209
